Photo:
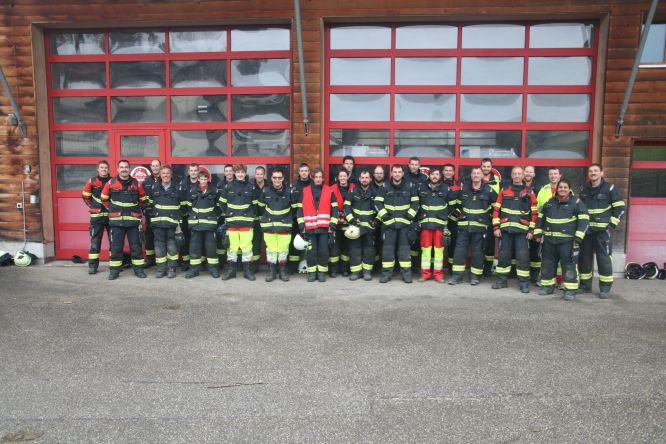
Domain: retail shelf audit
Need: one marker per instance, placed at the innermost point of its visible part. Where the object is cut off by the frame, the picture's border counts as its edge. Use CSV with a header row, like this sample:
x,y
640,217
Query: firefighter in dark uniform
x,y
204,212
449,178
317,217
148,184
301,182
474,200
514,219
124,197
491,179
339,255
432,218
257,235
276,216
348,163
99,216
168,203
378,178
416,178
222,238
561,227
190,181
535,258
359,210
238,203
605,207
397,205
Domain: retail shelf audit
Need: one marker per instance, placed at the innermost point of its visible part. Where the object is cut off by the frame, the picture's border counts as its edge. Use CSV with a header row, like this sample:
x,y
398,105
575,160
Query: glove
x,y
576,246
446,238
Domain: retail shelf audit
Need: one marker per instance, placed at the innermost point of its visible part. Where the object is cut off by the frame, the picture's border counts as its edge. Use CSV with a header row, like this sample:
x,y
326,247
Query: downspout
x,y
634,69
10,96
301,66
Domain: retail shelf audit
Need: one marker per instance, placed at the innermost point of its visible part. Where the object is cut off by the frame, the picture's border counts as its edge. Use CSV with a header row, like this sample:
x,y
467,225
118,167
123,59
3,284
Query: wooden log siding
x,y
646,117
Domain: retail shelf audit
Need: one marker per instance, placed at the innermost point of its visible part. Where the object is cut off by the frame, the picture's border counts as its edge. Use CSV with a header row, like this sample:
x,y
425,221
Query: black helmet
x,y
651,270
633,271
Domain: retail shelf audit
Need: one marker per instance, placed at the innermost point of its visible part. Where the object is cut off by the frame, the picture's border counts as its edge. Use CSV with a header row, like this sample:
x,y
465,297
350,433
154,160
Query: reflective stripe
x,y
547,282
397,207
570,285
474,211
514,212
477,271
523,273
458,268
585,276
363,212
138,262
614,220
598,210
114,264
172,257
605,278
514,225
203,210
238,207
160,260
503,270
167,207
580,234
560,221
123,204
355,268
93,256
269,210
390,264
433,207
405,264
164,219
619,203
599,224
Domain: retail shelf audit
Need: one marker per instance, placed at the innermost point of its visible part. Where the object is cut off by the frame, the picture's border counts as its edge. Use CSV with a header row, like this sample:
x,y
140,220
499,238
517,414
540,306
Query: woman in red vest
x,y
339,259
317,218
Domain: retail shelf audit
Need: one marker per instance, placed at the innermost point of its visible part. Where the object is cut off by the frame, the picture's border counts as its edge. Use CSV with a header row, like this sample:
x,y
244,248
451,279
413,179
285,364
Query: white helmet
x,y
22,259
303,266
352,232
300,243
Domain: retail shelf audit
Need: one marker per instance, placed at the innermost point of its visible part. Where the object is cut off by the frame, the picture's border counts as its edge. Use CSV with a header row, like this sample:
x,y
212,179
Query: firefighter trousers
x,y
599,243
240,239
552,252
294,256
466,241
150,240
339,257
513,246
395,244
535,260
185,247
96,235
117,241
453,229
317,252
362,253
277,247
166,250
488,250
432,240
203,244
257,239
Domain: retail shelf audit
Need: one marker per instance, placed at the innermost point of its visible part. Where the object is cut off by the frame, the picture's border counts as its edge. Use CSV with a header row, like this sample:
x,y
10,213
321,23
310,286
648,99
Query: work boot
x,y
367,275
138,272
333,270
386,276
474,280
439,276
230,271
524,287
534,275
312,276
113,274
569,295
171,273
214,271
272,273
406,275
345,269
455,280
92,269
354,276
284,275
192,272
425,275
585,289
247,272
501,283
161,272
604,293
254,266
321,276
546,291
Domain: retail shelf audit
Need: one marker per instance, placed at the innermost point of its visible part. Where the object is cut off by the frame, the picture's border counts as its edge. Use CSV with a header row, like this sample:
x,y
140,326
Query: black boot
x,y
161,271
355,276
524,287
171,273
254,266
367,275
344,266
406,275
214,271
138,272
487,269
474,279
501,283
321,276
113,274
284,276
192,272
92,268
272,273
386,276
333,269
230,271
312,276
150,260
247,271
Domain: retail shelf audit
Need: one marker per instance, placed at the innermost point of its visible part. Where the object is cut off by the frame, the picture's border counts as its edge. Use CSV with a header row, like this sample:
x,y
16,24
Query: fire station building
x,y
216,82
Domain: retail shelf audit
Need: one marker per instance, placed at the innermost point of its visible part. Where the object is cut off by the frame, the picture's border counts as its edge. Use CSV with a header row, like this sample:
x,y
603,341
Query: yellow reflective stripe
x,y
96,199
172,257
269,210
396,207
619,203
274,224
580,234
433,207
414,198
202,221
599,224
476,271
167,207
241,218
130,218
585,276
164,219
85,193
583,217
538,231
433,220
137,262
160,260
503,270
202,210
411,212
547,282
598,210
614,220
124,204
560,221
570,285
379,198
523,273
96,215
363,212
556,234
471,223
93,255
115,264
474,211
381,213
238,207
514,225
605,278
510,211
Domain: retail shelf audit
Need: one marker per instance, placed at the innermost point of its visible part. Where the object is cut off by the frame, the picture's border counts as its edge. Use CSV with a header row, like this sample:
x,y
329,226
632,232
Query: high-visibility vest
x,y
317,217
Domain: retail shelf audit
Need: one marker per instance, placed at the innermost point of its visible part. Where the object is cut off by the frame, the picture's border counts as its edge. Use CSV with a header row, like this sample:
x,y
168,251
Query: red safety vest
x,y
312,217
341,202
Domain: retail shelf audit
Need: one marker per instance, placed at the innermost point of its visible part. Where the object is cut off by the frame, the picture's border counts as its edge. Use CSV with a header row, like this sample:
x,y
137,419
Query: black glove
x,y
446,238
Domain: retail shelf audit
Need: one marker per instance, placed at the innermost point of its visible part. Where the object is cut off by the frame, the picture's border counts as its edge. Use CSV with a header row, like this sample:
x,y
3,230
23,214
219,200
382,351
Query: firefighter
x,y
544,194
449,178
492,180
238,203
605,207
168,203
222,239
124,197
561,227
148,185
339,255
348,163
204,213
397,205
416,178
474,203
359,210
276,216
303,180
514,219
535,258
99,216
317,217
257,235
190,181
378,175
432,217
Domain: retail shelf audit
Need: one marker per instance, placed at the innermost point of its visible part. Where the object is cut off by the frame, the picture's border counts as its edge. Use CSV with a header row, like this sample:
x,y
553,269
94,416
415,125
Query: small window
x,y
654,52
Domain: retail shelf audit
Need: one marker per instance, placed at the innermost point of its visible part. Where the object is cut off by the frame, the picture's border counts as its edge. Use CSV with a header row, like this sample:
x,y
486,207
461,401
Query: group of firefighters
x,y
407,222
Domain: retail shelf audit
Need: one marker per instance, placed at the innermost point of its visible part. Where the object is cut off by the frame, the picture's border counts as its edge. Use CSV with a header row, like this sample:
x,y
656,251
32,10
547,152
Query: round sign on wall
x,y
140,173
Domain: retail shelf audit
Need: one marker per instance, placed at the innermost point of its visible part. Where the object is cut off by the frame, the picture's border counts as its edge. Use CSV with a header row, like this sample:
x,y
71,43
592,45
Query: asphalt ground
x,y
87,360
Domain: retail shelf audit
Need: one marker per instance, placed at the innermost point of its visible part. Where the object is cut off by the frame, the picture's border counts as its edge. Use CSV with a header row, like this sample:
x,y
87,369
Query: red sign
x,y
425,170
140,173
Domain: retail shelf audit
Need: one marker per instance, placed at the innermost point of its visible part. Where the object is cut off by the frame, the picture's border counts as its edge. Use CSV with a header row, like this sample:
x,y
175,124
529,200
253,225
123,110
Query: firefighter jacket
x,y
341,194
397,204
544,194
375,187
416,179
186,187
275,210
238,203
124,199
475,207
360,209
204,208
454,187
318,210
515,210
563,220
604,205
149,183
91,196
434,206
493,182
297,193
167,205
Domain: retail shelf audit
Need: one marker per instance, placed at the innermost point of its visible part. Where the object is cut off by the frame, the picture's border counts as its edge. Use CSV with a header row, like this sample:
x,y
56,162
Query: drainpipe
x,y
17,113
634,69
301,65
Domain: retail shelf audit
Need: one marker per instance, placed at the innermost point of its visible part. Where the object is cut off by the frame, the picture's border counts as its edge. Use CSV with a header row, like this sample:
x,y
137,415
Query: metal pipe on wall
x,y
12,102
301,65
